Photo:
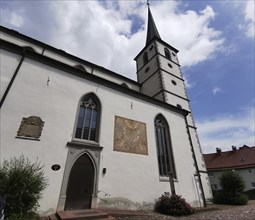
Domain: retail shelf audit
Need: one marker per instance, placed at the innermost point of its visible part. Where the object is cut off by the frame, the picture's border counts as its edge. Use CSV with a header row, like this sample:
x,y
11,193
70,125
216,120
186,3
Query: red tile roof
x,y
243,157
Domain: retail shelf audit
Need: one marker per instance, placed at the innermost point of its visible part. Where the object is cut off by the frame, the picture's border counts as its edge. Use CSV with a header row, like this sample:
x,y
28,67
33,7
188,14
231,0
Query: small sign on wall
x,y
30,128
130,136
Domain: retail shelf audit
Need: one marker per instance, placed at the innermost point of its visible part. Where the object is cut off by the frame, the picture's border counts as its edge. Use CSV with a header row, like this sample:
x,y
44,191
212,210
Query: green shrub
x,y
173,205
232,186
232,182
21,184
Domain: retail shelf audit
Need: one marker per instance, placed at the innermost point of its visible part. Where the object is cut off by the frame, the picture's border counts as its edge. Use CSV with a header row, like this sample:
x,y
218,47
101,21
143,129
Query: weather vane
x,y
148,2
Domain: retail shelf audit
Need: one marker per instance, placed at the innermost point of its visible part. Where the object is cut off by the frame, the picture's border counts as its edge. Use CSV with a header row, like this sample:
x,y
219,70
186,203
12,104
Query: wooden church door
x,y
80,184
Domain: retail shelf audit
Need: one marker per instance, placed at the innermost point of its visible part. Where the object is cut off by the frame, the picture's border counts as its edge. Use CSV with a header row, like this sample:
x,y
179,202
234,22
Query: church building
x,y
104,140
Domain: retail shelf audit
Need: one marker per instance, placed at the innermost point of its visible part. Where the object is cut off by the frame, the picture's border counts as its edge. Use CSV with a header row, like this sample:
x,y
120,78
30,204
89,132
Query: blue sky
x,y
215,40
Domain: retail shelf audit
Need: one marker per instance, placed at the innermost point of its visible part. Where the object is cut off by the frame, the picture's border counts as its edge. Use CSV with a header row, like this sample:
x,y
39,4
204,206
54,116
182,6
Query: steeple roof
x,y
152,30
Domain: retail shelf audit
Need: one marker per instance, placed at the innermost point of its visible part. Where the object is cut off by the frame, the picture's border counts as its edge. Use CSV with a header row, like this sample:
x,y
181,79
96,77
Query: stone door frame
x,y
75,150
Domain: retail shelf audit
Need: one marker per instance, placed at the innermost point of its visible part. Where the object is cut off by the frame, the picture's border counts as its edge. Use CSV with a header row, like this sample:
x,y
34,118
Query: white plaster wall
x,y
152,86
66,60
128,175
8,65
116,80
174,100
248,177
136,176
175,69
178,89
152,65
56,104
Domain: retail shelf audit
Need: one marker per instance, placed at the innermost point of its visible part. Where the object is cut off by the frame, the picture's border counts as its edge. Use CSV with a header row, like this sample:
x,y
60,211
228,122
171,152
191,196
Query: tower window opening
x,y
147,69
179,106
173,82
145,58
170,65
167,53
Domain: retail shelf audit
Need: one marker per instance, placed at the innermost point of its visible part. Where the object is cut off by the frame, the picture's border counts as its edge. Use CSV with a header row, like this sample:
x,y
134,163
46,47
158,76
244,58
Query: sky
x,y
215,40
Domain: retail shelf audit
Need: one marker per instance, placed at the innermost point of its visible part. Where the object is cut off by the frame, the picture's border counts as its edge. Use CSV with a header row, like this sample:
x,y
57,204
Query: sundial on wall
x,y
130,136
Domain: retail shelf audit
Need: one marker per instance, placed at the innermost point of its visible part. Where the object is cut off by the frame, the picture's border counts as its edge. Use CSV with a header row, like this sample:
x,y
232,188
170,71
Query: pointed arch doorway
x,y
80,184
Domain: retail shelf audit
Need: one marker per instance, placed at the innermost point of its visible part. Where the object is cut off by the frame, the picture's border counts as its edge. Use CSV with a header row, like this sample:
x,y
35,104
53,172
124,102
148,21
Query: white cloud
x,y
190,32
16,20
216,90
249,16
227,130
247,22
101,32
13,18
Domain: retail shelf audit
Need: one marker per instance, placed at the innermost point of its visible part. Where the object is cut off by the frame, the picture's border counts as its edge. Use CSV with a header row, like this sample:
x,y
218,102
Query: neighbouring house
x,y
105,140
240,160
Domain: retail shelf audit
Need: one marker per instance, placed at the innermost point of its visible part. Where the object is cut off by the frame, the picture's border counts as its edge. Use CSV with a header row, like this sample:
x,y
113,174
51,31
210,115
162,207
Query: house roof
x,y
243,157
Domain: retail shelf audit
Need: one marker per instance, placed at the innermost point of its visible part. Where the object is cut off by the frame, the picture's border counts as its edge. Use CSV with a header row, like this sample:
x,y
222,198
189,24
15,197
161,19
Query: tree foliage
x,y
232,186
21,184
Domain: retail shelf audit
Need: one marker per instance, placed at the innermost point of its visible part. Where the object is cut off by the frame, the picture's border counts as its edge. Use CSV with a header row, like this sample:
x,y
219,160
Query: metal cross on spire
x,y
148,2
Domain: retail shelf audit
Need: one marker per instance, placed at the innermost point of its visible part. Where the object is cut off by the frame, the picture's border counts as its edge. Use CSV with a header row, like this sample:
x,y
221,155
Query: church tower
x,y
159,73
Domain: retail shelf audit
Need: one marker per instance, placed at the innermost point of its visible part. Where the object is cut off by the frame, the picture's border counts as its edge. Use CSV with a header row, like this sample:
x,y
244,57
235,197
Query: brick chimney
x,y
218,151
234,148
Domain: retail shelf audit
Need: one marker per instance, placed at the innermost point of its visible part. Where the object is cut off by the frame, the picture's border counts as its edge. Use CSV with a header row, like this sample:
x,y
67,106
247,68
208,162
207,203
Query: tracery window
x,y
164,148
88,119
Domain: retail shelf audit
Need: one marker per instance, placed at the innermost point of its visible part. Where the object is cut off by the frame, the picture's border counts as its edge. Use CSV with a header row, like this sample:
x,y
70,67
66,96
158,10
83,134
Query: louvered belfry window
x,y
164,148
87,124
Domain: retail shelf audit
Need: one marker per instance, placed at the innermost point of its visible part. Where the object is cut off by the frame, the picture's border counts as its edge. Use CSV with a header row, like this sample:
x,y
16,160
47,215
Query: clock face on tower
x,y
130,136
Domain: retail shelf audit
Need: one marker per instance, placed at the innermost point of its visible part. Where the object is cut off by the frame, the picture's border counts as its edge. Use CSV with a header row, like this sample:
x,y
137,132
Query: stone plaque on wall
x,y
30,128
130,136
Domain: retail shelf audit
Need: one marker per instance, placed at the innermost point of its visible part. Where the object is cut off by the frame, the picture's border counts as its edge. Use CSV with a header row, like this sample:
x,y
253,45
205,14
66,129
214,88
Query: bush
x,y
173,205
232,186
21,184
222,197
251,194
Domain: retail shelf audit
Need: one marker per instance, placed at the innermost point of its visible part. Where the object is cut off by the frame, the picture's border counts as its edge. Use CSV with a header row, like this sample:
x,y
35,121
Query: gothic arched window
x,y
145,58
87,126
167,53
164,147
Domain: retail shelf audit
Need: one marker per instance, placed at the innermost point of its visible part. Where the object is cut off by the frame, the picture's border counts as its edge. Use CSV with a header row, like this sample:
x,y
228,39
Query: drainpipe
x,y
195,161
13,78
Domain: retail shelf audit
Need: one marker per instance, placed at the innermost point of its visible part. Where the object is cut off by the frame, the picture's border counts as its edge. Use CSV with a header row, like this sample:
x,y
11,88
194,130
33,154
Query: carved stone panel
x,y
30,128
130,136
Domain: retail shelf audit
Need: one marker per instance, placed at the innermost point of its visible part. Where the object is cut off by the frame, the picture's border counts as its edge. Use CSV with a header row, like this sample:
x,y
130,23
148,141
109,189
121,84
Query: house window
x,y
145,58
167,53
249,171
88,118
164,148
210,174
253,184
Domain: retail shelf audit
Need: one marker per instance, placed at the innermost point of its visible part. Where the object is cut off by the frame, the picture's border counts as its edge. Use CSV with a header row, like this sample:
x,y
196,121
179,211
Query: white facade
x,y
48,85
247,174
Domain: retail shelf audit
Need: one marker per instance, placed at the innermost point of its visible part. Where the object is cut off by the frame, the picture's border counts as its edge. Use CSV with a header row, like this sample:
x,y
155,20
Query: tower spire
x,y
152,30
